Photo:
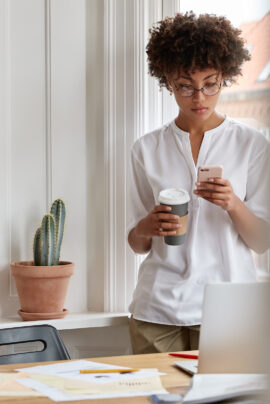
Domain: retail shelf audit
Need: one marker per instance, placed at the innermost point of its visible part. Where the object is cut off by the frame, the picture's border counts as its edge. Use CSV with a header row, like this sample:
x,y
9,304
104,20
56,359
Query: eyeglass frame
x,y
198,89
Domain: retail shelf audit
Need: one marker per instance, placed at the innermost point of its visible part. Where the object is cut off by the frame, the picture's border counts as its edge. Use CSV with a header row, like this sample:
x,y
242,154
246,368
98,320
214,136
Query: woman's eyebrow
x,y
211,75
190,79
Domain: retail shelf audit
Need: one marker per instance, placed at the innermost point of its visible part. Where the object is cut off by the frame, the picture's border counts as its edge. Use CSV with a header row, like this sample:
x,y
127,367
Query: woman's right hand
x,y
159,222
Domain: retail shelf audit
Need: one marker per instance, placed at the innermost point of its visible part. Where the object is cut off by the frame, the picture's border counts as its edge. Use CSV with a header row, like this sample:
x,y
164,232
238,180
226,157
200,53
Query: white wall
x,y
43,135
97,342
74,95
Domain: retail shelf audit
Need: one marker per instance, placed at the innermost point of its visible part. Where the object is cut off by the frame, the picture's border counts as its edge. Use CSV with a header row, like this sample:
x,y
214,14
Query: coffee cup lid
x,y
173,196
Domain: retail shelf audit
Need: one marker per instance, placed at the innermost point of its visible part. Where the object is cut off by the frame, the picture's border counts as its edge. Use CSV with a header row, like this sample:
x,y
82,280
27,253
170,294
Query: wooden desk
x,y
174,381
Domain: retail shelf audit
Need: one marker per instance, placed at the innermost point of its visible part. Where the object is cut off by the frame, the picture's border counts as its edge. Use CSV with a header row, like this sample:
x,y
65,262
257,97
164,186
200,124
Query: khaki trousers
x,y
151,338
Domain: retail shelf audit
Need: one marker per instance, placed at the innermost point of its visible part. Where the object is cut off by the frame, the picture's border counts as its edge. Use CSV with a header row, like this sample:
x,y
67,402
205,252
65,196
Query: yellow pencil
x,y
108,370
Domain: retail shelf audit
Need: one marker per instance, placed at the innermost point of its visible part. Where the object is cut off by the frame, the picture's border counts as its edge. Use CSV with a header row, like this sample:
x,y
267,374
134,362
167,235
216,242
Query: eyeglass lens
x,y
188,90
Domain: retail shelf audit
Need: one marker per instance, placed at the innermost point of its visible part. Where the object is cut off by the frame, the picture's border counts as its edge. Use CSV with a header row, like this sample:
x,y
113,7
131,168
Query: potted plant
x,y
42,283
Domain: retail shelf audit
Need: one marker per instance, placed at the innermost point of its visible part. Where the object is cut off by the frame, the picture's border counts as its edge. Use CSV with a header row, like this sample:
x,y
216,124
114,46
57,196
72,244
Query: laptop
x,y
235,330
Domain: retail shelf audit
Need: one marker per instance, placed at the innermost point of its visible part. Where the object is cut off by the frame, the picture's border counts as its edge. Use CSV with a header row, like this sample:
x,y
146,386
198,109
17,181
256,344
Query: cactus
x,y
48,237
37,255
58,210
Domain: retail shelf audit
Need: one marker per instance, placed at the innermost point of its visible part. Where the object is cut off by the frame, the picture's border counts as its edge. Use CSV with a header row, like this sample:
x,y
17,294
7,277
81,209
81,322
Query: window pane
x,y
249,99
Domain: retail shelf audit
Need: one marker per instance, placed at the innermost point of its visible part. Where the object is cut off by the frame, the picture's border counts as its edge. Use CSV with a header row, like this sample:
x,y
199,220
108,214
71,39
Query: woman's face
x,y
197,106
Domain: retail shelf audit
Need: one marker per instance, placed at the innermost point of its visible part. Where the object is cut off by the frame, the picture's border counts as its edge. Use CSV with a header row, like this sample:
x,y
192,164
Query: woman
x,y
194,57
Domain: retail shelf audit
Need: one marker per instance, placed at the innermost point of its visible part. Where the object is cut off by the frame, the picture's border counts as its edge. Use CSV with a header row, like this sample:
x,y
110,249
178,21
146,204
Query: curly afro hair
x,y
187,43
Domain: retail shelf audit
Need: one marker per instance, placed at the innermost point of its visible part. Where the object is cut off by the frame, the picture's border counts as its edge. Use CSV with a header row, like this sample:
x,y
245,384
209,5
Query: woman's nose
x,y
198,94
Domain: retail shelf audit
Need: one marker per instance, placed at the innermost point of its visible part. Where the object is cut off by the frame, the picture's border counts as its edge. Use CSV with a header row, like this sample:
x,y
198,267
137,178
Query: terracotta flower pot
x,y
42,289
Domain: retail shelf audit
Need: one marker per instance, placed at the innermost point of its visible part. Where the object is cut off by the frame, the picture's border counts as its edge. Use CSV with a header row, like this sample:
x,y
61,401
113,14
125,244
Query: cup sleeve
x,y
140,195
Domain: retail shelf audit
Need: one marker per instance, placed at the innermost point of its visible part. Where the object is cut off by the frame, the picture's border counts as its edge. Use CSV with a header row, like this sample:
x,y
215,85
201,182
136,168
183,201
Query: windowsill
x,y
72,321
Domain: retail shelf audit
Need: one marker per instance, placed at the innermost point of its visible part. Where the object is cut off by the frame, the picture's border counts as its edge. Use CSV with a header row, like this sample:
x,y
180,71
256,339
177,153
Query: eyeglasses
x,y
186,90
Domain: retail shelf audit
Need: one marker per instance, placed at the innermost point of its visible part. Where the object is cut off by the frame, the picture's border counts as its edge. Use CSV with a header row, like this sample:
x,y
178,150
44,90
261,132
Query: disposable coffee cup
x,y
178,200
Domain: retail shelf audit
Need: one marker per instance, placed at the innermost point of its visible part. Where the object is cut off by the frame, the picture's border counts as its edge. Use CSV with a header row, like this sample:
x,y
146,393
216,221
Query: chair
x,y
22,338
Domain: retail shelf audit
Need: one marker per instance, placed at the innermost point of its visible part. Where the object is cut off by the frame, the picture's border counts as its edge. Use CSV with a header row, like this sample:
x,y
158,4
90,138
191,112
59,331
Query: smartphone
x,y
206,172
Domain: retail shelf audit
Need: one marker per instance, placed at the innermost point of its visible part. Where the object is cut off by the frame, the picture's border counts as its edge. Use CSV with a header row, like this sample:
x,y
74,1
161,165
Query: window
x,y
249,99
133,106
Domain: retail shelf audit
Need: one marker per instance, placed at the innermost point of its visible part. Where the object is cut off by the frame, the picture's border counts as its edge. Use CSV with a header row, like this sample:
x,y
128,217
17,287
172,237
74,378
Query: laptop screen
x,y
235,330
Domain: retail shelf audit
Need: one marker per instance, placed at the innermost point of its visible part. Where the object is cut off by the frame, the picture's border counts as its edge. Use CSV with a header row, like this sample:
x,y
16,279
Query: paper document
x,y
10,387
209,388
64,382
145,387
71,370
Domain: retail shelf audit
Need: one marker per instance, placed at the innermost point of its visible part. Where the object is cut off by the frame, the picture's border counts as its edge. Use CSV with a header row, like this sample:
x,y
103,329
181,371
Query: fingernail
x,y
195,191
211,180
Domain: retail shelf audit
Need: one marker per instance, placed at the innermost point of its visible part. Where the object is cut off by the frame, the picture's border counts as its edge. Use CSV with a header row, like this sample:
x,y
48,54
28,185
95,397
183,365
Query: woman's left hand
x,y
217,191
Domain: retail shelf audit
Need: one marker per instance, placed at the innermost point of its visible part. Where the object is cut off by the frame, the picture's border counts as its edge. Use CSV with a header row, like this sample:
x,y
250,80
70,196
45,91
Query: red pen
x,y
182,355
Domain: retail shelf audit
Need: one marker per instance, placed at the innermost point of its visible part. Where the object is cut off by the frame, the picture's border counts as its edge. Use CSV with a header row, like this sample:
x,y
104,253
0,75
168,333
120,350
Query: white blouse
x,y
171,278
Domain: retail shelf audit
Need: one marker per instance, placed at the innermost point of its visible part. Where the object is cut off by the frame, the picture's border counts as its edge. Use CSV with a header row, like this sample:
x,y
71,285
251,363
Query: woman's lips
x,y
199,110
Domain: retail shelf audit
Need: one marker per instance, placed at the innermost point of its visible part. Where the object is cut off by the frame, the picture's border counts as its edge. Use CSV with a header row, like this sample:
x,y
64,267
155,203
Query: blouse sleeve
x,y
141,199
258,183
